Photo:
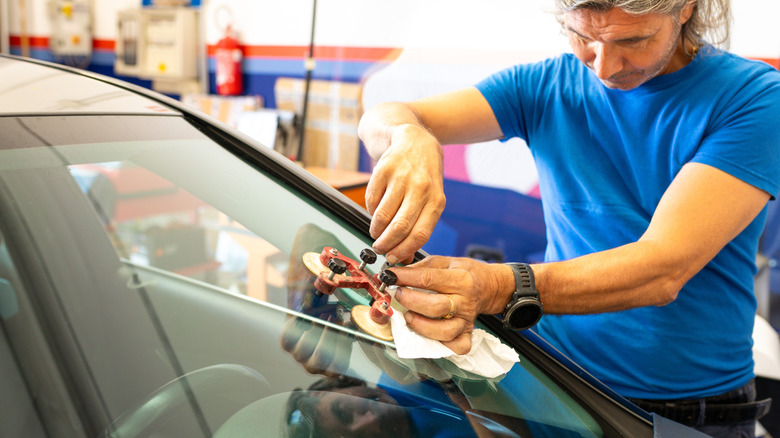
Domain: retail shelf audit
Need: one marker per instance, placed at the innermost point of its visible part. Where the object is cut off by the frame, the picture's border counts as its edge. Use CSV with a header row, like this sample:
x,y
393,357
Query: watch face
x,y
524,314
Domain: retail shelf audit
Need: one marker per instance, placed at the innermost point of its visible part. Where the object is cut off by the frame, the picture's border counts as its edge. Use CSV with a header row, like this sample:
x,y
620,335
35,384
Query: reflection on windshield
x,y
155,223
181,256
349,407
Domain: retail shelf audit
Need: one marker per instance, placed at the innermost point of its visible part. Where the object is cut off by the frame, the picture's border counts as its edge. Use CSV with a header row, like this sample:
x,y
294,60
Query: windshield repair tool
x,y
331,269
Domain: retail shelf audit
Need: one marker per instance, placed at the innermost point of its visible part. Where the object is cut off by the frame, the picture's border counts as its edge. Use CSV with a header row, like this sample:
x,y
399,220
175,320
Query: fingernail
x,y
408,317
392,259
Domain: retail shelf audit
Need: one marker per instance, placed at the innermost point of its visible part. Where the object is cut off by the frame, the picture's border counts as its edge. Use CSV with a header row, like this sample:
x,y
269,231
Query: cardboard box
x,y
333,114
228,109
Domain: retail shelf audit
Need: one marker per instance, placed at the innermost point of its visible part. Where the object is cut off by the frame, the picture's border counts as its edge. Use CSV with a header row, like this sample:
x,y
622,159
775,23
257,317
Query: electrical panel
x,y
71,34
171,35
129,43
157,43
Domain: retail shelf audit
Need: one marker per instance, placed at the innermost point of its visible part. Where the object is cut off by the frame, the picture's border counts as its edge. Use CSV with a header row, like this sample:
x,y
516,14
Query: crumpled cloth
x,y
488,356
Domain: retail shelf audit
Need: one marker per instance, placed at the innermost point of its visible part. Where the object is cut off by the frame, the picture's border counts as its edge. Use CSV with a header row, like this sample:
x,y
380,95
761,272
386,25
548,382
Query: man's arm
x,y
405,194
702,210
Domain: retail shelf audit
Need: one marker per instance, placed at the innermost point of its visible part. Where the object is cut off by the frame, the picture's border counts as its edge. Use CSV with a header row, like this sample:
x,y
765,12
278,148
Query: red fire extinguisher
x,y
229,57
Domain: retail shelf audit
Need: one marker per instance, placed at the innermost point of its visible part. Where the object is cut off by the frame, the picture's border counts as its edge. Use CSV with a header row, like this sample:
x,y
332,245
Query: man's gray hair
x,y
710,20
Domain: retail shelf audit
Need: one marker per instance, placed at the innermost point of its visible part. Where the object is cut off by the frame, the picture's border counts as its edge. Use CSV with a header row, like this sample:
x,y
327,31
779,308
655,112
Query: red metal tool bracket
x,y
332,275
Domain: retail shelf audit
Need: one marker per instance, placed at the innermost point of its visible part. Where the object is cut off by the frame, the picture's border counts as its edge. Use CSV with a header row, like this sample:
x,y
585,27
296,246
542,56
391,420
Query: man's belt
x,y
700,413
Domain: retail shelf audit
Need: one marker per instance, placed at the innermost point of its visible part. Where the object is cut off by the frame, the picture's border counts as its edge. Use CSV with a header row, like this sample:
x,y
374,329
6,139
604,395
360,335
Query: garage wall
x,y
395,49
276,33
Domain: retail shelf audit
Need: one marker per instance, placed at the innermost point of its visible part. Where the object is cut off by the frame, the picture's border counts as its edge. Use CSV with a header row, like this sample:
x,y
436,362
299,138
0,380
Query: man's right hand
x,y
406,192
405,195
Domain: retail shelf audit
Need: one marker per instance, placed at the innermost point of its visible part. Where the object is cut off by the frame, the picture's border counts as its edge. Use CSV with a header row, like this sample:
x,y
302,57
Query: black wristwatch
x,y
524,309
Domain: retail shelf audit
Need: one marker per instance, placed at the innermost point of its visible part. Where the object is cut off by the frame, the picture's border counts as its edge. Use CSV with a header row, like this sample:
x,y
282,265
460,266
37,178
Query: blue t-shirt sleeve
x,y
500,90
514,95
744,140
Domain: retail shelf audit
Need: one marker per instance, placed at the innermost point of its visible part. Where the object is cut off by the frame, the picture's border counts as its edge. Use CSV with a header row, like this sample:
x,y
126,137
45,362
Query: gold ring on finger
x,y
452,308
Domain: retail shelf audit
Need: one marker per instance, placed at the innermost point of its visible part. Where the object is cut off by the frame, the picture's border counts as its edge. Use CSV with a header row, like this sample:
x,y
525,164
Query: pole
x,y
309,64
25,38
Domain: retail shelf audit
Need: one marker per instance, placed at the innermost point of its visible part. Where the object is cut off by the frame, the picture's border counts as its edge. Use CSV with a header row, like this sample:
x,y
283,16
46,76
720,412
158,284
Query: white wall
x,y
755,31
500,25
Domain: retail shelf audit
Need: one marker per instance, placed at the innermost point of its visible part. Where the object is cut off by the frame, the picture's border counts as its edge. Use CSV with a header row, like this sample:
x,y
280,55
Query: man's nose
x,y
606,61
365,421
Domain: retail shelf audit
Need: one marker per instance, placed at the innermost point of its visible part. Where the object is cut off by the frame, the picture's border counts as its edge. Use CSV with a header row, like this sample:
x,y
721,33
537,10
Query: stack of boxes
x,y
333,113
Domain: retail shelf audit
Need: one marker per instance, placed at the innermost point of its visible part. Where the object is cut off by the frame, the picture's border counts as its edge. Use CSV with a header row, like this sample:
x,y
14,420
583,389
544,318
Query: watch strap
x,y
525,285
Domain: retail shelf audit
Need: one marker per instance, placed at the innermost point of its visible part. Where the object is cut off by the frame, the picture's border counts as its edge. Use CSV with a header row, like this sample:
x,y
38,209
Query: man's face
x,y
626,50
360,411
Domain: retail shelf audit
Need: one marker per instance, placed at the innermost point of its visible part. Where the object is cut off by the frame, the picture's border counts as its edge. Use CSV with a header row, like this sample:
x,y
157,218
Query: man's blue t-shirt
x,y
605,157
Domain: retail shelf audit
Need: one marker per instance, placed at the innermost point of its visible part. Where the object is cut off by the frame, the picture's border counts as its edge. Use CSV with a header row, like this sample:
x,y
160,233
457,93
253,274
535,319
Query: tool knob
x,y
368,256
337,266
388,277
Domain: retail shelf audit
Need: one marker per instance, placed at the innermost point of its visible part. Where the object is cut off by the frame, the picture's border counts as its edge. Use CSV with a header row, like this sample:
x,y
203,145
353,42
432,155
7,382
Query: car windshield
x,y
167,271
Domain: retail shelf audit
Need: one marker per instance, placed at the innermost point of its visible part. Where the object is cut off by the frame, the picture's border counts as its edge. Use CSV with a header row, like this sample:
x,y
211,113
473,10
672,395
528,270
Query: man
x,y
657,154
349,407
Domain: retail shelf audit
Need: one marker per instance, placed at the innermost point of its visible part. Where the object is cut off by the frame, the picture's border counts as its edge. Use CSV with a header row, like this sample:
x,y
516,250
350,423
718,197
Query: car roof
x,y
32,87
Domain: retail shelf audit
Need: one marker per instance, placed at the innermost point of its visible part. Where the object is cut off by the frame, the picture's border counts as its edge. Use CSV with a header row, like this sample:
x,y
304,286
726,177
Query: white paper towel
x,y
488,356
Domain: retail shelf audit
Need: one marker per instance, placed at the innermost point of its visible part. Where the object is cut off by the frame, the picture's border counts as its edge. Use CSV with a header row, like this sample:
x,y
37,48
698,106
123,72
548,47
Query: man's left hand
x,y
468,287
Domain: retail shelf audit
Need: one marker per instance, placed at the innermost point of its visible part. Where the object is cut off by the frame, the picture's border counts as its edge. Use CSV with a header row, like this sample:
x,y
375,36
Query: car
x,y
152,284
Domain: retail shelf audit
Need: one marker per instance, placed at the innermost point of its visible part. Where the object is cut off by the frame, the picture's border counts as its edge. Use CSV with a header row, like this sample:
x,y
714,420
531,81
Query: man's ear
x,y
687,11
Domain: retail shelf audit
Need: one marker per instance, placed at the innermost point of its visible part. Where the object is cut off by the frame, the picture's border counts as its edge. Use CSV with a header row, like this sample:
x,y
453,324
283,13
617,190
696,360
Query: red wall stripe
x,y
37,42
104,44
366,54
43,43
774,62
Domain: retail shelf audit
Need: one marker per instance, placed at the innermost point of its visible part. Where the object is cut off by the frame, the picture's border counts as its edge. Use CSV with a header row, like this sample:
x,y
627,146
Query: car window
x,y
171,276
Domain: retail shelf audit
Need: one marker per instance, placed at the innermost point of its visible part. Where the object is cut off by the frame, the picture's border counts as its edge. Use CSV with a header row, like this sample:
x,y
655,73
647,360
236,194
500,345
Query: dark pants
x,y
741,430
731,415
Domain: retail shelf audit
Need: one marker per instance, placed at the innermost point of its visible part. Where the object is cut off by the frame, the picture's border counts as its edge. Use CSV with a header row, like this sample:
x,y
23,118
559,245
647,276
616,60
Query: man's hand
x,y
473,286
318,348
405,195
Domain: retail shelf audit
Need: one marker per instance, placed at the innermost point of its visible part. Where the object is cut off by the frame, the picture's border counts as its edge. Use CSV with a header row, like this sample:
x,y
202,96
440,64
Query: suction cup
x,y
312,262
361,316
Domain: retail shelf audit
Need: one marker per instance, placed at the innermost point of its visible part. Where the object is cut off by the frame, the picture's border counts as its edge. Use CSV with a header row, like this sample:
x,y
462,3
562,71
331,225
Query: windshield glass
x,y
170,275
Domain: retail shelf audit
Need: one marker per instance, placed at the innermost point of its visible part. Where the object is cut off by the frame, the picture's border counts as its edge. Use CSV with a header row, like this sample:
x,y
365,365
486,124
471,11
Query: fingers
x,y
375,191
392,368
435,274
405,194
437,328
292,331
404,221
412,239
435,262
391,208
432,305
331,354
461,344
428,317
464,286
319,349
480,287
